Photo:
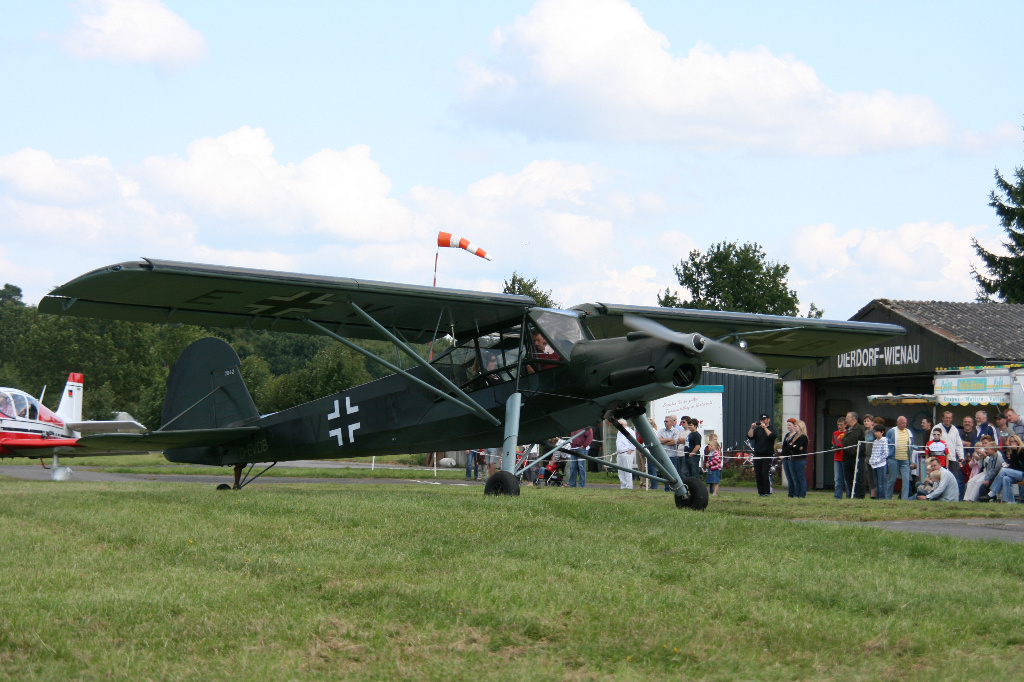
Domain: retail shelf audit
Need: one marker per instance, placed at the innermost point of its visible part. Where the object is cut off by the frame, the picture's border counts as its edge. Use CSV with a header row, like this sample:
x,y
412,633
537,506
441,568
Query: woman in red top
x,y
837,458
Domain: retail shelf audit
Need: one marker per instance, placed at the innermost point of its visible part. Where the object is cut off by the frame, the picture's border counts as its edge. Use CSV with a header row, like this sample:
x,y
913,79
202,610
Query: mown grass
x,y
170,581
455,474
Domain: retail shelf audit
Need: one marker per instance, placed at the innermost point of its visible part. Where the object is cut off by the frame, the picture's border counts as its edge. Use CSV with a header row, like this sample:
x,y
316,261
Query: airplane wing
x,y
782,342
171,292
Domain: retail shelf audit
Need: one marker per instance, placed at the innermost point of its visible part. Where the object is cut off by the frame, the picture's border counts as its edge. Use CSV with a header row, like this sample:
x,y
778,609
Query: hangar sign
x,y
880,356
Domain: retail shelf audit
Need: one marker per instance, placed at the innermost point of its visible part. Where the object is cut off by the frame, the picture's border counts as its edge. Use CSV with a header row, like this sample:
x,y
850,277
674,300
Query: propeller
x,y
715,352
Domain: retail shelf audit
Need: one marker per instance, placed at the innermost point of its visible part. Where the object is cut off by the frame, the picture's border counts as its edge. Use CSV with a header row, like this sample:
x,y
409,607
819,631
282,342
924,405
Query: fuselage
x,y
24,418
394,415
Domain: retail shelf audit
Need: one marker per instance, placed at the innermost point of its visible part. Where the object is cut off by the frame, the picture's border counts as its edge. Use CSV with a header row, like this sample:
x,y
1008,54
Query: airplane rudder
x,y
205,388
70,407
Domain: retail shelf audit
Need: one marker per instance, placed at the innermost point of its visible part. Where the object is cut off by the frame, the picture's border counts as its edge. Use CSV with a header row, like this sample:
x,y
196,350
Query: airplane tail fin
x,y
70,408
205,389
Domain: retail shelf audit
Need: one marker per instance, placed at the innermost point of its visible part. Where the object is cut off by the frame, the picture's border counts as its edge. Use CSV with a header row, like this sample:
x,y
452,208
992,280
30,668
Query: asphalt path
x,y
1007,530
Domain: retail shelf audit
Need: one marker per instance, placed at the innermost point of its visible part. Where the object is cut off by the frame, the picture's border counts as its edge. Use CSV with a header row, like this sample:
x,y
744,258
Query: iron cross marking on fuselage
x,y
302,302
340,431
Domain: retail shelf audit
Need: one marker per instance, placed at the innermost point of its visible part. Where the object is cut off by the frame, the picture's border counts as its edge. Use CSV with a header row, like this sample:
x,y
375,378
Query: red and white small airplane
x,y
30,429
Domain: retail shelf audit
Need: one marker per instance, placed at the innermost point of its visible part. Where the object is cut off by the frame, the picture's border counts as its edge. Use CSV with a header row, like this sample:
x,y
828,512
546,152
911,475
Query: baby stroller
x,y
551,475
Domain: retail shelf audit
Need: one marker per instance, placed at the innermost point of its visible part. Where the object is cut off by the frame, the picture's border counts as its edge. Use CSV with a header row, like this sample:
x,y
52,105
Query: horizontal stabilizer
x,y
113,426
158,441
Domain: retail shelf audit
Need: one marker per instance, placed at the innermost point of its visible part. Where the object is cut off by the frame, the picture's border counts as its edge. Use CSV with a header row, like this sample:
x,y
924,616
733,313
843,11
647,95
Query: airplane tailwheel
x,y
698,499
224,486
502,483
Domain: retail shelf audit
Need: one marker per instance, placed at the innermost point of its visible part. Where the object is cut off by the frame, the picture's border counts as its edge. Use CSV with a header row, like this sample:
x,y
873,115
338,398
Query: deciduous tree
x,y
733,278
519,284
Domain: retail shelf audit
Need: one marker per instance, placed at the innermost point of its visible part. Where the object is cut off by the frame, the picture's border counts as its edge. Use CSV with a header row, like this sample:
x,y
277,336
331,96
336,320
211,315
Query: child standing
x,y
936,447
714,463
879,460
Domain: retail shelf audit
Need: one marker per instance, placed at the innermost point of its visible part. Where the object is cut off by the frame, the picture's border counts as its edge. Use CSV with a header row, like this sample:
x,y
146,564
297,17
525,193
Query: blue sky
x,y
590,144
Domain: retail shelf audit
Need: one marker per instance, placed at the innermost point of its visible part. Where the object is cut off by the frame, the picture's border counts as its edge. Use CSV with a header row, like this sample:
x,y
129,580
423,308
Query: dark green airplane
x,y
514,372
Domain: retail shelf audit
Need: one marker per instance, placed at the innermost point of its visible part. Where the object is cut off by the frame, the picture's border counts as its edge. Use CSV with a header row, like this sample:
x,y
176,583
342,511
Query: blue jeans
x,y
880,480
840,486
890,478
796,477
1003,483
899,468
577,468
678,466
954,468
654,470
691,466
471,465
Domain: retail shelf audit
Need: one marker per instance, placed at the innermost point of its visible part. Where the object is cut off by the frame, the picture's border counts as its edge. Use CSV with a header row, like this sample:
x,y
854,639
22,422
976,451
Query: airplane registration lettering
x,y
254,449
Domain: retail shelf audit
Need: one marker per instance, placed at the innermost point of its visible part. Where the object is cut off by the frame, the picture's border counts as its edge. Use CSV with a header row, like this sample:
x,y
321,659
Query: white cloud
x,y
594,68
143,31
841,271
38,175
229,200
236,178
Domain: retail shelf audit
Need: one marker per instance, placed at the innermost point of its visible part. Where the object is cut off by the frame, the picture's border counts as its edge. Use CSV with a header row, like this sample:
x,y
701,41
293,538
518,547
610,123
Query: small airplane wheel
x,y
698,499
224,486
502,483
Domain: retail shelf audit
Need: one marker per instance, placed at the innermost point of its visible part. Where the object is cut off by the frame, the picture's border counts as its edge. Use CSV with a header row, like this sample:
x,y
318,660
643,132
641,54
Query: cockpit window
x,y
6,405
20,406
487,360
562,328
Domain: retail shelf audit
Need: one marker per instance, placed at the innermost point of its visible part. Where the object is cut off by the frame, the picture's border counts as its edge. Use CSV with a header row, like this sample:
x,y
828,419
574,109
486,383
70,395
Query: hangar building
x,y
939,335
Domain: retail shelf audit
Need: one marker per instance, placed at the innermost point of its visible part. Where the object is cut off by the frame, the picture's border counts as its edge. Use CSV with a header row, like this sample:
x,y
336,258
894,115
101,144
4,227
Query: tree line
x,y
126,363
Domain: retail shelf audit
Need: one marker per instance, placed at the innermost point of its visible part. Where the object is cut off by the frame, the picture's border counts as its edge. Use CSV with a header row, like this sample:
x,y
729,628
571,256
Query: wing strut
x,y
466,403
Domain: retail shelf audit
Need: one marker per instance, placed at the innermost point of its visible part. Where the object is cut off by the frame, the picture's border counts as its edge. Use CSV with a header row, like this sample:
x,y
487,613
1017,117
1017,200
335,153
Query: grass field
x,y
171,581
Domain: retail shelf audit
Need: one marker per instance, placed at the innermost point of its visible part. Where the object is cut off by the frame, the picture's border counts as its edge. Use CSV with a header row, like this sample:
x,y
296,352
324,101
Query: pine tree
x,y
1004,277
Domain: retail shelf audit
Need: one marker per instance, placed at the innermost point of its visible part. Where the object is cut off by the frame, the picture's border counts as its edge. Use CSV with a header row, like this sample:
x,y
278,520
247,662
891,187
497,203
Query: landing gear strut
x,y
240,481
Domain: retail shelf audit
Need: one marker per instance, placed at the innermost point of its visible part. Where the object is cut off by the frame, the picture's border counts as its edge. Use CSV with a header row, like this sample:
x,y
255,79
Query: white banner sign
x,y
705,406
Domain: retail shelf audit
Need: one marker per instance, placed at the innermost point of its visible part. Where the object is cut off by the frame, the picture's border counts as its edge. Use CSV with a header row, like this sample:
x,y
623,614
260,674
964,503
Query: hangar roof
x,y
994,331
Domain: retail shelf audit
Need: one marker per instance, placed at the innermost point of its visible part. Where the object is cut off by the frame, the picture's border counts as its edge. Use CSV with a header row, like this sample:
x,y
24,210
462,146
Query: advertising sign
x,y
702,402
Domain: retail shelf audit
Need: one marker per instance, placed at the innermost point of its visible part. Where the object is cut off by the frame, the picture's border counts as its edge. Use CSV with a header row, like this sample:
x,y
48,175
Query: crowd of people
x,y
977,461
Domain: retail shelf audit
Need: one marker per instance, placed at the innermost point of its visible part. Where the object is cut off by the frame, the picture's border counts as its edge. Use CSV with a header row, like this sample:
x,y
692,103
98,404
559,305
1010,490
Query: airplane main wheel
x,y
223,486
502,483
698,499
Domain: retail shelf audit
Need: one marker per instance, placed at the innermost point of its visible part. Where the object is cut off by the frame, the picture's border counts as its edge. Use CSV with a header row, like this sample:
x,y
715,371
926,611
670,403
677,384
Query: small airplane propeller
x,y
715,352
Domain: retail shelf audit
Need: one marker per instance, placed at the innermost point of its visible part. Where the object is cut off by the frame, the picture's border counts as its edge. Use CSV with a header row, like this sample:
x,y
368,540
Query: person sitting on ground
x,y
975,465
1012,471
994,462
937,447
926,484
945,487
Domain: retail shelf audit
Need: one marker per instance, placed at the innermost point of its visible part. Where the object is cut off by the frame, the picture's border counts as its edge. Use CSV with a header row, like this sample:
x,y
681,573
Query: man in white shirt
x,y
951,437
626,456
667,436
